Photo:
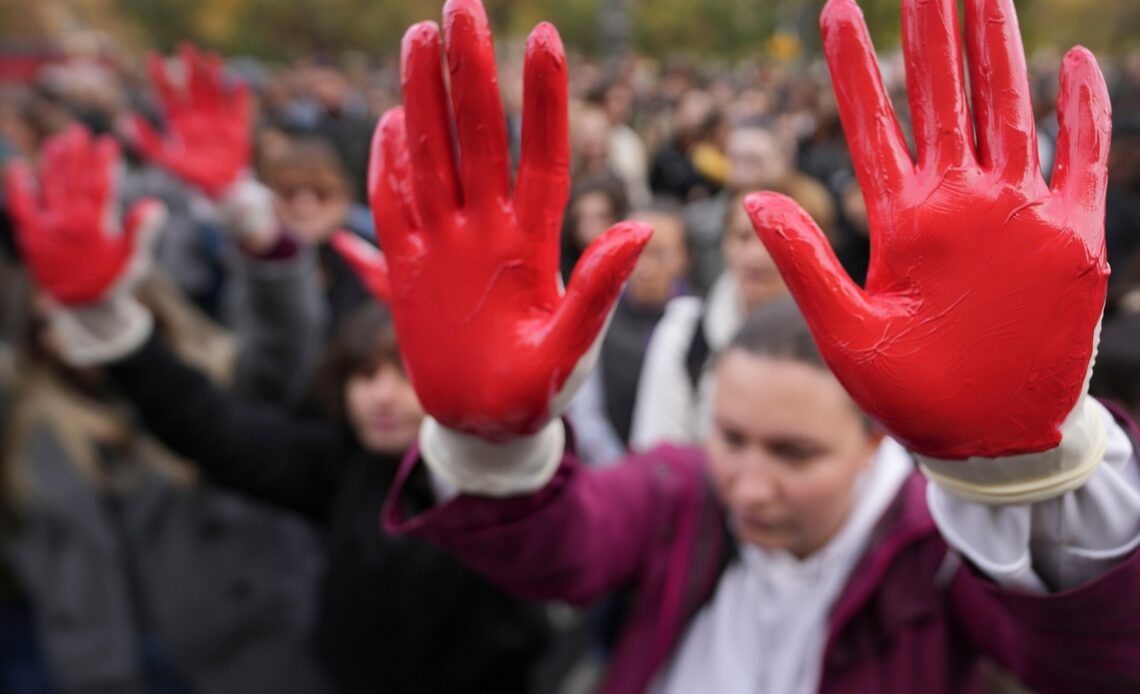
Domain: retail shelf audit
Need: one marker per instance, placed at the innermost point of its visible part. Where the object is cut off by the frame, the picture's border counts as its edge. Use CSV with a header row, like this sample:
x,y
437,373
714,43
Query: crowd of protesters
x,y
205,518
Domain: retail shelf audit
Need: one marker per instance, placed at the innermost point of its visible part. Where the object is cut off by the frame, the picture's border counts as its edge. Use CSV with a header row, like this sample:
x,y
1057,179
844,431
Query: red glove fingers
x,y
976,330
488,339
208,124
1003,111
544,160
934,80
484,164
69,234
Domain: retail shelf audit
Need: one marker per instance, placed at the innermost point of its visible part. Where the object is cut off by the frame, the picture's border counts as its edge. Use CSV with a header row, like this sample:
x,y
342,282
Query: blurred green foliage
x,y
720,29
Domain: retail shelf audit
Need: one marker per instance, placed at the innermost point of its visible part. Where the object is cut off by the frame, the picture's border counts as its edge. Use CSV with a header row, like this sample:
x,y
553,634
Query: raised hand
x,y
69,231
975,333
488,337
208,124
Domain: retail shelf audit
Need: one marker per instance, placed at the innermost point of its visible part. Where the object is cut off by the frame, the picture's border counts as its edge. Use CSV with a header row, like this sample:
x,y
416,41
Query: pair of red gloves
x,y
973,338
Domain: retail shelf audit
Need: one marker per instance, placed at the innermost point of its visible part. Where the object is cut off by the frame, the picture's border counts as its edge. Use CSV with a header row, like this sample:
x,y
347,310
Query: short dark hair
x,y
778,329
363,342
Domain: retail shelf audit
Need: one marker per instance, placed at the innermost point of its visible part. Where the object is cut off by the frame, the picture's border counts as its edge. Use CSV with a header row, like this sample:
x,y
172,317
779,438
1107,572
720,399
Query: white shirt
x,y
667,409
765,628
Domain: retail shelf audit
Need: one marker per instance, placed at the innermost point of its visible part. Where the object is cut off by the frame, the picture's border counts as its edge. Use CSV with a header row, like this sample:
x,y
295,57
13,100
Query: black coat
x,y
397,614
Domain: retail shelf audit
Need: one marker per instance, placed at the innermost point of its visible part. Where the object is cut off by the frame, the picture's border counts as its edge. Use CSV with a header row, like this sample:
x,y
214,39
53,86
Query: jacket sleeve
x,y
251,447
280,321
587,532
1051,591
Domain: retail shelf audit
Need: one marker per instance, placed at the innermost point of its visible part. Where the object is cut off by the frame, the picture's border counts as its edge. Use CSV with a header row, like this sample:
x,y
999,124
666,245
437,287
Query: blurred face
x,y
590,130
755,159
662,263
593,214
311,203
786,447
383,410
747,259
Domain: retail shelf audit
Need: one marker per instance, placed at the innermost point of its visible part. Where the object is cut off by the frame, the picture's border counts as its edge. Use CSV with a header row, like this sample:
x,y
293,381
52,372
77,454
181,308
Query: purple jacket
x,y
911,618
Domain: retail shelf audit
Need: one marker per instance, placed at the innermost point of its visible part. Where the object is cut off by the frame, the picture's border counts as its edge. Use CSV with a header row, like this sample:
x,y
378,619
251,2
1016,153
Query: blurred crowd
x,y
145,551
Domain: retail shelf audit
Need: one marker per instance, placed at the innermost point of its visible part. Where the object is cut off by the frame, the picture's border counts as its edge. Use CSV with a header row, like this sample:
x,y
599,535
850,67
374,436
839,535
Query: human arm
x,y
88,262
973,340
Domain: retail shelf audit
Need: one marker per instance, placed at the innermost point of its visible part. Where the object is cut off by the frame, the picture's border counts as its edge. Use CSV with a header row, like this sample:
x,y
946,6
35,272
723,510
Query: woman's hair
x,y
778,329
305,159
363,342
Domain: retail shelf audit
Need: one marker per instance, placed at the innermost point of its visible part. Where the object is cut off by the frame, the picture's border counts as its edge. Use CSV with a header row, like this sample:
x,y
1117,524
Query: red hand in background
x,y
68,231
488,338
208,125
976,329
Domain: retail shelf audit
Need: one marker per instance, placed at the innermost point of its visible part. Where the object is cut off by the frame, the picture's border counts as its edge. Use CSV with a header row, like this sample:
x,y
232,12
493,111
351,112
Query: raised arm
x,y
975,336
493,346
87,262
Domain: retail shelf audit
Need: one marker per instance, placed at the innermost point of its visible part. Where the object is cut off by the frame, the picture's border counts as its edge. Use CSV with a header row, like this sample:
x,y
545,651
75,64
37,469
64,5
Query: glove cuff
x,y
1032,477
246,211
102,332
476,466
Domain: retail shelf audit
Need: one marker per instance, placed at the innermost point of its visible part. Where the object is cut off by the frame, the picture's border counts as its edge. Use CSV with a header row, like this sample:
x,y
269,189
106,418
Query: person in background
x,y
602,412
675,386
673,171
627,155
758,159
140,578
392,615
596,203
799,550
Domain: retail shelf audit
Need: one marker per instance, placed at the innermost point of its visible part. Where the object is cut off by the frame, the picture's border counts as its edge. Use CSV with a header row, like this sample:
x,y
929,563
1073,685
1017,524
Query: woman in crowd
x,y
393,615
799,550
602,412
675,386
140,577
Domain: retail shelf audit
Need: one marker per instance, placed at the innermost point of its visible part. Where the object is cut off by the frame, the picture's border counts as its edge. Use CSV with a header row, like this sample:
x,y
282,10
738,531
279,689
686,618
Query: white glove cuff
x,y
103,332
246,211
1031,477
476,466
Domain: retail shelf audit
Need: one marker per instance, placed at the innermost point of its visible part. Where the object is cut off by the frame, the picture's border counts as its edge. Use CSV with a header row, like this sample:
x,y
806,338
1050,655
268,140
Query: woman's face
x,y
747,259
663,261
786,447
594,214
312,204
383,409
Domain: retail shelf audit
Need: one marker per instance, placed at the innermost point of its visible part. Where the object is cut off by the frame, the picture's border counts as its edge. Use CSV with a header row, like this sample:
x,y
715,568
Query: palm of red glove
x,y
977,326
208,125
487,336
68,234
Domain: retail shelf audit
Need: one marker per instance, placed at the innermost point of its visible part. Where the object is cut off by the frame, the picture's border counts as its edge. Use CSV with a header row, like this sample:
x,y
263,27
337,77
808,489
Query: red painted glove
x,y
68,231
488,337
976,331
208,125
78,251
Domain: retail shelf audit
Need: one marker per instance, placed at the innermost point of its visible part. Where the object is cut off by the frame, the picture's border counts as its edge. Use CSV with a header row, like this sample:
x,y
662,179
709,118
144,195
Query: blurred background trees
x,y
701,29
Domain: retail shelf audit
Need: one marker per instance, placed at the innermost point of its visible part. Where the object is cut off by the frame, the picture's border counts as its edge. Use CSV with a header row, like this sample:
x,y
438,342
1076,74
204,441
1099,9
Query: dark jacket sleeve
x,y
586,533
254,448
1084,639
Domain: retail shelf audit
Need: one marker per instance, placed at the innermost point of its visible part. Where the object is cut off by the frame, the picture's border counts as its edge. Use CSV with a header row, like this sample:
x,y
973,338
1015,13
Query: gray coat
x,y
118,539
